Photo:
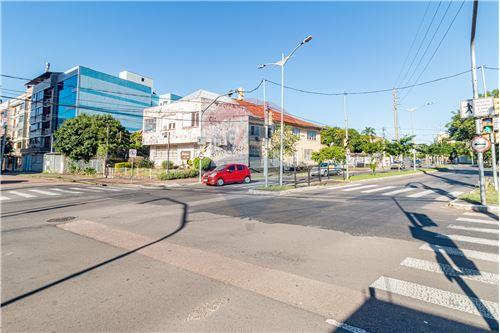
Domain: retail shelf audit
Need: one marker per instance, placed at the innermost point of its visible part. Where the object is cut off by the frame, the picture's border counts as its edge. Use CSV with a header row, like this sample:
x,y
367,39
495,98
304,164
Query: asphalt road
x,y
386,255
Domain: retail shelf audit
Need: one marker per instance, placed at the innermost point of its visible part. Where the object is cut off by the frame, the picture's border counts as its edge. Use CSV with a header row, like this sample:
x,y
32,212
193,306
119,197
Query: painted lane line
x,y
486,230
464,303
4,198
466,273
466,219
22,194
450,196
44,192
477,214
63,191
346,327
454,251
358,188
467,239
84,189
420,194
378,189
406,189
105,188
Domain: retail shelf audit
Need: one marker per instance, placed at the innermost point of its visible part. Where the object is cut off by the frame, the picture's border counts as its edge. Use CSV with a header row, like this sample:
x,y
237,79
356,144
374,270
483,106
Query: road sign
x,y
495,124
202,140
483,107
466,109
480,144
132,153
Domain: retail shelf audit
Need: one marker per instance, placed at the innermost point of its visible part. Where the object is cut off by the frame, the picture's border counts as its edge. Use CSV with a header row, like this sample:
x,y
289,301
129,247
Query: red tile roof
x,y
258,111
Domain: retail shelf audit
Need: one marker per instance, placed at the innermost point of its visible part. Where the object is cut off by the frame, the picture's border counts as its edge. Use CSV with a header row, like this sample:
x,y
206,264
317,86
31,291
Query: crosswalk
x,y
39,193
404,192
416,278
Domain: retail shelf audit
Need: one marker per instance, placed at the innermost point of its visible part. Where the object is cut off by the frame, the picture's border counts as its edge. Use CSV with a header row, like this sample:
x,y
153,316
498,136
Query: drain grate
x,y
61,219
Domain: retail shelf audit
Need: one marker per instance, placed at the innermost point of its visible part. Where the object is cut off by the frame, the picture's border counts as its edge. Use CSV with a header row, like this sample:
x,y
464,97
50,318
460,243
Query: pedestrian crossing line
x,y
449,270
344,187
346,327
466,219
22,194
84,189
4,198
476,214
486,230
450,196
420,194
378,189
450,300
44,192
403,190
105,188
454,251
467,239
358,188
64,191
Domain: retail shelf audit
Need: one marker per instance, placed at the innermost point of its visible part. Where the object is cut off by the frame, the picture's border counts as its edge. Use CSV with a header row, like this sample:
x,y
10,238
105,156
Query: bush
x,y
73,167
147,163
170,164
122,165
89,171
205,163
178,174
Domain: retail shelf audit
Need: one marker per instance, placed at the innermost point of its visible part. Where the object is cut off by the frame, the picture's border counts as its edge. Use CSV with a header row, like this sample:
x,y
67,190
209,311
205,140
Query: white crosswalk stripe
x,y
469,239
450,196
343,187
105,188
466,219
471,254
477,214
346,327
84,189
420,194
485,230
403,190
22,194
466,273
464,303
4,198
358,188
44,192
378,189
64,191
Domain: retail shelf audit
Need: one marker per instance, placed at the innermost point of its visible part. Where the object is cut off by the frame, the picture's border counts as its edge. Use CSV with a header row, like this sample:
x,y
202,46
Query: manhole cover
x,y
61,219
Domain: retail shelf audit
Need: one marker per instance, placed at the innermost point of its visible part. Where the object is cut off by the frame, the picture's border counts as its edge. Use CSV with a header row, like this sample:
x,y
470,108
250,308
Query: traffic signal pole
x,y
480,162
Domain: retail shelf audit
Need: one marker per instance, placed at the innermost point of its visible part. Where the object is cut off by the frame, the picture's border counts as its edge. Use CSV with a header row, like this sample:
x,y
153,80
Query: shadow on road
x,y
101,264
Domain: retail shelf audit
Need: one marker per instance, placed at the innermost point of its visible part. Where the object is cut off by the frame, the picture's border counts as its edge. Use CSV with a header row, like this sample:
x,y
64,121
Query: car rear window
x,y
231,168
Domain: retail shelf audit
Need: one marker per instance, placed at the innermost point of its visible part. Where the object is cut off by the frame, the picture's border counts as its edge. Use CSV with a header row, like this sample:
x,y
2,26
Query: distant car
x,y
398,165
227,174
326,168
418,164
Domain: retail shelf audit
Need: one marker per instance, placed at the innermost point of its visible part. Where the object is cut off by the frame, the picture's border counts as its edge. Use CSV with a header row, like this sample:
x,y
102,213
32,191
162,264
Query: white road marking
x,y
64,191
44,192
466,273
344,187
420,194
84,189
464,303
477,214
466,219
346,327
358,188
450,196
467,239
378,189
22,194
486,230
470,254
4,198
406,189
105,188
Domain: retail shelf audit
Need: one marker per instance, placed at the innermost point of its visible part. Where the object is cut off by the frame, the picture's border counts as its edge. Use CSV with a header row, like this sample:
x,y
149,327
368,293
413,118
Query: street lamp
x,y
282,64
412,110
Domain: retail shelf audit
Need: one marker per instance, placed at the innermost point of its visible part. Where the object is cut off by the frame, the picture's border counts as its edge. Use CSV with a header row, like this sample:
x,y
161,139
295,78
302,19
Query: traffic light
x,y
487,125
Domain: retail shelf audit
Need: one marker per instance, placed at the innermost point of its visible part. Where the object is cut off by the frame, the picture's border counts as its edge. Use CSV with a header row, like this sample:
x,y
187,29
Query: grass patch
x,y
475,198
275,188
388,174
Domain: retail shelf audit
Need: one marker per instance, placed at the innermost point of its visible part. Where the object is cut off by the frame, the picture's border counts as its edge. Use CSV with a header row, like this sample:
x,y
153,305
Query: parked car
x,y
227,174
418,164
327,168
398,165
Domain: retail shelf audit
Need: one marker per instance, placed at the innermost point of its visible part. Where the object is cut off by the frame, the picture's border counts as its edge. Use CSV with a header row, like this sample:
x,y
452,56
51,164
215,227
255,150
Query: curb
x,y
460,204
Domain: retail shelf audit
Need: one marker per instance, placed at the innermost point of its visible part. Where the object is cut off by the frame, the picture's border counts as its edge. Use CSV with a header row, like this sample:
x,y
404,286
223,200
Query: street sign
x,y
480,144
185,154
466,109
495,124
132,153
483,107
201,140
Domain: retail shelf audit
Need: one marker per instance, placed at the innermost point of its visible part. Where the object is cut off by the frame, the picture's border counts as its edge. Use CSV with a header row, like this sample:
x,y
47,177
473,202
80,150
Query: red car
x,y
228,173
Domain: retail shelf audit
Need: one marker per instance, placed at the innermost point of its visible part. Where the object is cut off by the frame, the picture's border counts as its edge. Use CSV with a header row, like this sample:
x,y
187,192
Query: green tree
x,y
331,153
136,143
401,147
370,132
336,136
289,140
461,129
81,138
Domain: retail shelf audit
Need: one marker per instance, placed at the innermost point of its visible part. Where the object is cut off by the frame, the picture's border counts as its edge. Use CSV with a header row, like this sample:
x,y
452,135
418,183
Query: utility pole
x,y
480,162
492,138
395,109
383,152
107,149
347,152
266,137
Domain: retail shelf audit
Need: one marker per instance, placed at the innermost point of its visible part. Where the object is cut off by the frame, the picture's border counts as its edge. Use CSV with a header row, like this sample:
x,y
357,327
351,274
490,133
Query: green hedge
x,y
170,164
122,165
178,174
205,163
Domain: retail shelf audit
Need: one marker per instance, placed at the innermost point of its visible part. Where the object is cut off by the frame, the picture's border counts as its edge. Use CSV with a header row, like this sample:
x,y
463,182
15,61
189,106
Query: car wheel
x,y
246,180
220,182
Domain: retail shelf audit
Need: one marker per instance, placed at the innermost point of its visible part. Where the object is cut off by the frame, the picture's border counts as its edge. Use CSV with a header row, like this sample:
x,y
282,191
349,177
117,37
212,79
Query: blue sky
x,y
217,46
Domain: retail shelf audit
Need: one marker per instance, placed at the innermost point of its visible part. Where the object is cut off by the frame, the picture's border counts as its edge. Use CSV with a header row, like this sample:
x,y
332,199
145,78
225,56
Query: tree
x,y
335,136
401,147
331,153
370,132
9,145
136,143
461,129
289,140
81,138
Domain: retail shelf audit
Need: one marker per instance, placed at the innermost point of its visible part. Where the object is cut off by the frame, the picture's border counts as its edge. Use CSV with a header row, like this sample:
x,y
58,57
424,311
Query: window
x,y
195,119
149,124
254,151
255,130
171,126
231,168
296,131
311,135
241,167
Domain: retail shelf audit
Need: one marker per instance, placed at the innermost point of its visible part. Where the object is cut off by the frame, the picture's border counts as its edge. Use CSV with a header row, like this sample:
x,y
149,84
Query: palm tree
x,y
370,132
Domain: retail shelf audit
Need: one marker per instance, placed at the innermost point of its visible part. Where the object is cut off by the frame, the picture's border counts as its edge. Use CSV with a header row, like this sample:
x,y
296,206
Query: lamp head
x,y
307,39
261,66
